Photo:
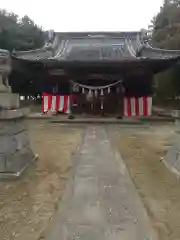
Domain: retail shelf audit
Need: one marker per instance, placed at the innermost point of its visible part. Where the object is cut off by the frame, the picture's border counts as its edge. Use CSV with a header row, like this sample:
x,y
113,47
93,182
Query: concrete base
x,y
15,151
9,100
84,120
124,121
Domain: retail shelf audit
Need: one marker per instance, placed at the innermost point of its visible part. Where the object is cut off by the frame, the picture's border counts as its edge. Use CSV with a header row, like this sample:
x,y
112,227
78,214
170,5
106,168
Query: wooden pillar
x,y
120,95
70,101
102,103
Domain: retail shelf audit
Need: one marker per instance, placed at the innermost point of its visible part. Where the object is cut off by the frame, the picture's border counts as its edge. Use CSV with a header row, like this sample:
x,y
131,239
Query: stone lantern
x,y
15,151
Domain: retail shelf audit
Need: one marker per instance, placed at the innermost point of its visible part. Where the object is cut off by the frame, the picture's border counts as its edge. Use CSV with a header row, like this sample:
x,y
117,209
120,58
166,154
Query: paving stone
x,y
89,213
85,189
126,232
80,232
109,181
85,207
86,171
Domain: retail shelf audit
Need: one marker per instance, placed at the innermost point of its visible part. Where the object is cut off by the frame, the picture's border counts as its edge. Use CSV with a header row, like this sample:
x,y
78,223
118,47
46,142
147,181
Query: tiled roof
x,y
88,46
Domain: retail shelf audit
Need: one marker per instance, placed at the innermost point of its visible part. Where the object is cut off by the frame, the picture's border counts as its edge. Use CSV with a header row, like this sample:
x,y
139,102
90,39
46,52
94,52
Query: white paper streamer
x,y
75,88
102,105
96,93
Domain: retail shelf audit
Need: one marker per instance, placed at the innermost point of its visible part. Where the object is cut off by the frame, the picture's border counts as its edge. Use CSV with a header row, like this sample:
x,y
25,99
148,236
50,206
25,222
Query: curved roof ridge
x,y
100,33
30,51
129,49
148,51
162,49
60,50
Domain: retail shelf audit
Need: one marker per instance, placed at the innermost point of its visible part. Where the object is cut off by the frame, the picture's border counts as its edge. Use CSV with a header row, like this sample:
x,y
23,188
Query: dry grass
x,y
158,187
27,204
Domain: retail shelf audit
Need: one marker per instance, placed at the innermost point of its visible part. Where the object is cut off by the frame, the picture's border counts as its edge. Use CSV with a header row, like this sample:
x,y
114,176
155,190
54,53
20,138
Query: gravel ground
x,y
27,204
142,150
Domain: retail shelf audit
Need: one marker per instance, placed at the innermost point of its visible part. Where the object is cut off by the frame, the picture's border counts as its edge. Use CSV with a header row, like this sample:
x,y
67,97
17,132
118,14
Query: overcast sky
x,y
87,15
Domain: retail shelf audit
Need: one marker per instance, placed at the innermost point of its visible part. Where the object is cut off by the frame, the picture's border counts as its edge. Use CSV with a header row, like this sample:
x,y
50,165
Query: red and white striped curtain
x,y
56,103
132,106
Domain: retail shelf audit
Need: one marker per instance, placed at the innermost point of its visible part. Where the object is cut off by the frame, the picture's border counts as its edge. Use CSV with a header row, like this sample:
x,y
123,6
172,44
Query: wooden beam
x,y
57,72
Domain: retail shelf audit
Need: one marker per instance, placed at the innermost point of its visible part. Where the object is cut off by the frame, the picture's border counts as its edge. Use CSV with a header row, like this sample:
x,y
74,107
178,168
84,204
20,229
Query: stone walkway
x,y
101,202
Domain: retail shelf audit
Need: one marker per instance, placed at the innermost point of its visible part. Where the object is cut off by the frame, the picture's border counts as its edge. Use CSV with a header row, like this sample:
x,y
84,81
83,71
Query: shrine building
x,y
105,73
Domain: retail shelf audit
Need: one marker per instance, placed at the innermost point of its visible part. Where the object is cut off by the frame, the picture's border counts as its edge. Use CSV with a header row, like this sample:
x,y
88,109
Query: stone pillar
x,y
15,150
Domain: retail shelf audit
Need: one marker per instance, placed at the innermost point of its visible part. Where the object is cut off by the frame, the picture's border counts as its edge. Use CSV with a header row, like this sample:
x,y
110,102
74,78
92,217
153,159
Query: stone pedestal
x,y
9,100
15,150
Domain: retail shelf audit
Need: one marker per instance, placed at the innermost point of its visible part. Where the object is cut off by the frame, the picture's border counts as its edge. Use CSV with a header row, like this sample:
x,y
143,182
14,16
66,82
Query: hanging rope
x,y
96,87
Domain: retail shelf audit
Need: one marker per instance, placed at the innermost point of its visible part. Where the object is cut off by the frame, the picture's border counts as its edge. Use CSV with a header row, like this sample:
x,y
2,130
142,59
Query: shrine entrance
x,y
97,95
106,100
